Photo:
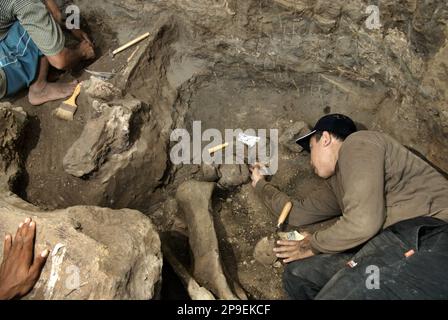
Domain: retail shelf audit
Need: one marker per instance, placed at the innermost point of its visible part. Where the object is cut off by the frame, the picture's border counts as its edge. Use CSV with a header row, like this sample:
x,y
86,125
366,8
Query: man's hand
x,y
81,36
57,15
20,270
256,173
70,58
87,50
291,251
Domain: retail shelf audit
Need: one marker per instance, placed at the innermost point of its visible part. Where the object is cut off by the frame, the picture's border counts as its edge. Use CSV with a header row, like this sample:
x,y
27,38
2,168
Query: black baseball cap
x,y
337,124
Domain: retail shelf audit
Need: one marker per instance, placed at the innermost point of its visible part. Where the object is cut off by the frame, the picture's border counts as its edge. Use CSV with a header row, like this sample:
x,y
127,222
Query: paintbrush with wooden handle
x,y
67,109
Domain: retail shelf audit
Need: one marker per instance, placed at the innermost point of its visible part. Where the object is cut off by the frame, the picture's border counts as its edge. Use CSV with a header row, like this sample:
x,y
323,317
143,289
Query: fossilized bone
x,y
194,197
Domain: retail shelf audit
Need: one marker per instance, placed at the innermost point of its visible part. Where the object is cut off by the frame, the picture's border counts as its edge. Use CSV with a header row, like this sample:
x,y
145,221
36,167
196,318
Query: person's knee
x,y
289,281
287,275
294,270
58,61
296,281
292,273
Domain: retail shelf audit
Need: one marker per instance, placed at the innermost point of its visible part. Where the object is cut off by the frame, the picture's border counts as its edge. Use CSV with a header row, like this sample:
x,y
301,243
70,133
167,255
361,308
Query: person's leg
x,y
398,272
25,67
42,91
304,279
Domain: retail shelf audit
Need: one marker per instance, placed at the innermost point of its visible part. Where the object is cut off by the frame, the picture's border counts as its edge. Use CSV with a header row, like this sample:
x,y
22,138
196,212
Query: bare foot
x,y
42,93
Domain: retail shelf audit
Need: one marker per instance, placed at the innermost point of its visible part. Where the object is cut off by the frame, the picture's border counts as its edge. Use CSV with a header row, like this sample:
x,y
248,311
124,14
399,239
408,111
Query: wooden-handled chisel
x,y
283,216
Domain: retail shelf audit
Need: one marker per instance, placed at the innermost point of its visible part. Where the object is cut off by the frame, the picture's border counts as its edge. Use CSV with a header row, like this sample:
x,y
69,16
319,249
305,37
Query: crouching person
x,y
31,39
390,240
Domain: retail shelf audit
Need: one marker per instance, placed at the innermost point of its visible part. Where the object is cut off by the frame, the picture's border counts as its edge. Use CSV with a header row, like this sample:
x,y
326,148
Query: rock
x,y
121,145
166,218
437,81
99,89
233,175
194,198
209,173
264,253
104,136
104,254
291,134
12,122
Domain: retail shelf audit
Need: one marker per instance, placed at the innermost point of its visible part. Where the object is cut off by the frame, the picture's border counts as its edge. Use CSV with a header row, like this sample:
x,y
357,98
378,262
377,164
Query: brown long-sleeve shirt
x,y
377,182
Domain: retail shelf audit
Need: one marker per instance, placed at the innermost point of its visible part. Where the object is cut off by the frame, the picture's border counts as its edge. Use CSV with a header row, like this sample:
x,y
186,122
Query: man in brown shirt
x,y
371,182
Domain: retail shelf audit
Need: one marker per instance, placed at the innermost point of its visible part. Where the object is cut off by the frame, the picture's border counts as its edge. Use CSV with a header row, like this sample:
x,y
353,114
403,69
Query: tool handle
x,y
133,54
131,43
217,148
285,213
72,99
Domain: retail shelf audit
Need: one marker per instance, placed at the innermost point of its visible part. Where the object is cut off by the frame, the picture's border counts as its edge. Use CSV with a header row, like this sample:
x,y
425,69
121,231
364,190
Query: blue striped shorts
x,y
19,59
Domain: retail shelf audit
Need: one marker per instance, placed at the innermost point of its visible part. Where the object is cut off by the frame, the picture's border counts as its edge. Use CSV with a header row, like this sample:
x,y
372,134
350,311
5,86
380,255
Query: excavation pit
x,y
247,65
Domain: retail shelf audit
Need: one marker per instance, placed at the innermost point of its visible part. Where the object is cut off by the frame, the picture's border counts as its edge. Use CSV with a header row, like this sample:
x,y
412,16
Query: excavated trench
x,y
252,65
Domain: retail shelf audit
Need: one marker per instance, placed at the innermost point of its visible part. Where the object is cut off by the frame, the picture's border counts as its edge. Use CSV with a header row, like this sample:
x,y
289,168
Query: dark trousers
x,y
406,261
